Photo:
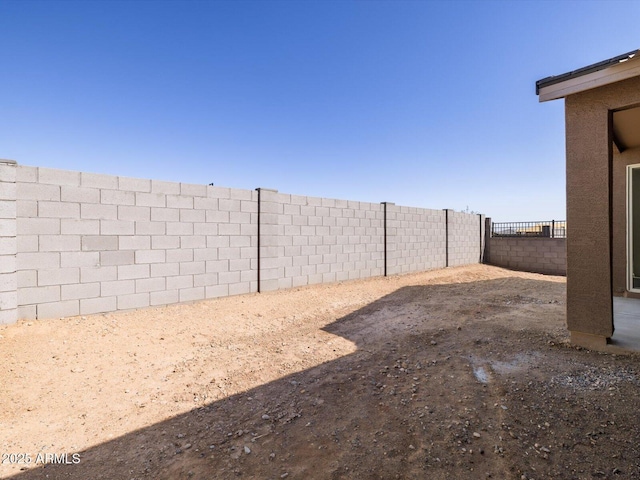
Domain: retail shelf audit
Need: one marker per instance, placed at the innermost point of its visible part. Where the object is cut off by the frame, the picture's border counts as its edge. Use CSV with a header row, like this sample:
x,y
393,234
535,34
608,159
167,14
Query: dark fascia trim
x,y
552,80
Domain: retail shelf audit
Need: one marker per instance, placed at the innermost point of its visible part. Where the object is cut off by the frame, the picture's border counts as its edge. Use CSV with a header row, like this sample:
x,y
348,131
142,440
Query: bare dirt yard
x,y
463,373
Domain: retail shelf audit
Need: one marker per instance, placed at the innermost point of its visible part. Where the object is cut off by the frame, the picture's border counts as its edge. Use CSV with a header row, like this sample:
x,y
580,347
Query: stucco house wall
x,y
619,210
595,220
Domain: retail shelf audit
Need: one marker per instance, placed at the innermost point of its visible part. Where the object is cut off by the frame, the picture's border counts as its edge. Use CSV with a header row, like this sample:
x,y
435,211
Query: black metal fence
x,y
547,229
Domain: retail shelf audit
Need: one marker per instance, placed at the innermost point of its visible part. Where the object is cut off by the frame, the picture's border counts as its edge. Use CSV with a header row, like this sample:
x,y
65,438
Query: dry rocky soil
x,y
462,373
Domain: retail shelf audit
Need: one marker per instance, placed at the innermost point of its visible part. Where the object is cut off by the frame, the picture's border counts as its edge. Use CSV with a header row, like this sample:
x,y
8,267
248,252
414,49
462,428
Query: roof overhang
x,y
626,128
596,75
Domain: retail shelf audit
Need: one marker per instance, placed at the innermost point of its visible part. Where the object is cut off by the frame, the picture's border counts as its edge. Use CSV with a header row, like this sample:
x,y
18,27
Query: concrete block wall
x,y
532,254
75,243
466,233
308,240
92,243
8,243
416,239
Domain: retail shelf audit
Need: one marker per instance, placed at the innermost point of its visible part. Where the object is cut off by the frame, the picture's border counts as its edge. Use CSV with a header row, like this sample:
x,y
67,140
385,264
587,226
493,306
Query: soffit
x,y
626,128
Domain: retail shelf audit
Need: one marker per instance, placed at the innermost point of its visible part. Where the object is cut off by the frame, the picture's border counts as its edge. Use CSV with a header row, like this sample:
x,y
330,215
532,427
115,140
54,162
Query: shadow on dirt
x,y
406,404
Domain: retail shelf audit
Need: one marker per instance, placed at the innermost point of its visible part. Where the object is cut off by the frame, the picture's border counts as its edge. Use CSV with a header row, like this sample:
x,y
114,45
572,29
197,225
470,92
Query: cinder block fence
x,y
538,254
75,243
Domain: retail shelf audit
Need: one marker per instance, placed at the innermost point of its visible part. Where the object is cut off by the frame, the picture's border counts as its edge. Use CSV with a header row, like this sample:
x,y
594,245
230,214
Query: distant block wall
x,y
539,255
75,243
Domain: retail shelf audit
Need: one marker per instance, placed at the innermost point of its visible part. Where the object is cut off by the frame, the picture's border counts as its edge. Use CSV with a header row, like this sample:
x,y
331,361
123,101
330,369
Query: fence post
x,y
487,240
553,228
481,235
446,237
258,242
384,227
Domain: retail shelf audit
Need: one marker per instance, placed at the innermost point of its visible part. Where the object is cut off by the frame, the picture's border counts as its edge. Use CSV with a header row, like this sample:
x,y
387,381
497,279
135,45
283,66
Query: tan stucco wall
x,y
619,251
589,159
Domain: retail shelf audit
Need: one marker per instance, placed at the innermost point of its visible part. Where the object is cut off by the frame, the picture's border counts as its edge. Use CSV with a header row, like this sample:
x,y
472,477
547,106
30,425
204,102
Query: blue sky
x,y
421,103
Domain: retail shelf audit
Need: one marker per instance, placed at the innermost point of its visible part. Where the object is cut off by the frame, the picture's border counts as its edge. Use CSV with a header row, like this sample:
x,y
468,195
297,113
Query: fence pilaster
x,y
487,240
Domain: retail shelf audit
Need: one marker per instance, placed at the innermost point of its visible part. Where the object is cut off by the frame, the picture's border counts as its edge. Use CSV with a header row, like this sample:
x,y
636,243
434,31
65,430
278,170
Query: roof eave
x,y
601,73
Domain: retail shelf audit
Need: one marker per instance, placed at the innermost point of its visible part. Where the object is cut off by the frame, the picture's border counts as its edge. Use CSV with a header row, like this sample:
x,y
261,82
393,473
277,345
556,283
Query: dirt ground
x,y
463,373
